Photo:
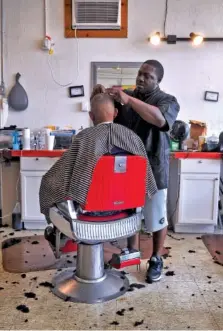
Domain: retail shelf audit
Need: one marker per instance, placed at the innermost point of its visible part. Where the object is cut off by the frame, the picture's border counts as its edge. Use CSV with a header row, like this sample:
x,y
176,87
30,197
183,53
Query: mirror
x,y
118,74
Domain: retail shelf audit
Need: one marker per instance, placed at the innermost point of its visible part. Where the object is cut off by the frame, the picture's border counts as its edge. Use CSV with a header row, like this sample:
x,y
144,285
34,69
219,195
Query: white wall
x,y
189,71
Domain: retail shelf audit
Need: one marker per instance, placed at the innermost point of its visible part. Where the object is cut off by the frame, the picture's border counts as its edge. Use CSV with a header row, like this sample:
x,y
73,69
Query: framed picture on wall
x,y
211,96
76,91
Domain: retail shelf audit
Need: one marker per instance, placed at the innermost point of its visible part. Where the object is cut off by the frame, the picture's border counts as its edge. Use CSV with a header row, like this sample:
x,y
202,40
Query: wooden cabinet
x,y
193,195
32,171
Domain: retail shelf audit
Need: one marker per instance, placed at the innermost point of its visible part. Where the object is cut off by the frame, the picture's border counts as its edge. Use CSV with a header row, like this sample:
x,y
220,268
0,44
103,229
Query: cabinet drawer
x,y
200,166
37,163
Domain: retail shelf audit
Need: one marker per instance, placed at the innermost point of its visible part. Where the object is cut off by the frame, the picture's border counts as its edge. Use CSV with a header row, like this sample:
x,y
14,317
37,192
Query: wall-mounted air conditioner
x,y
96,15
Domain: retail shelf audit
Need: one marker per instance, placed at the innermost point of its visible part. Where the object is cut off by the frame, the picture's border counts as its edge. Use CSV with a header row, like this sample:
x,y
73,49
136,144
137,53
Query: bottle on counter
x,y
174,145
201,141
26,139
41,140
15,141
32,140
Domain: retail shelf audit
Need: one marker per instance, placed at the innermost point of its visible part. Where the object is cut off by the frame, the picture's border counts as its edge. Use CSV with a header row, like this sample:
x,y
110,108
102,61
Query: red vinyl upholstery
x,y
102,218
111,190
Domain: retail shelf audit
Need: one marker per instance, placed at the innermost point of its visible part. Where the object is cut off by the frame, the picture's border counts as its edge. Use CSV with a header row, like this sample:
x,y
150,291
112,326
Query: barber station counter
x,y
197,155
59,153
21,175
193,192
192,195
31,165
36,153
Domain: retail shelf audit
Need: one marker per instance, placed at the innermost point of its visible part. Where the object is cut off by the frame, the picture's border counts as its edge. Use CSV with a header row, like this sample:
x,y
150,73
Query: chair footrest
x,y
127,259
127,263
69,247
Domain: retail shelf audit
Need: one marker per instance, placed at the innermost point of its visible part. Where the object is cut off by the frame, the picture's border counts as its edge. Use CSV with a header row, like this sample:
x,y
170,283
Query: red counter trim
x,y
197,155
38,153
60,152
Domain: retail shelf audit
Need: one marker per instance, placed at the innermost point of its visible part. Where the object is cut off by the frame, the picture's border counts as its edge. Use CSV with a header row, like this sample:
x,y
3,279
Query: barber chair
x,y
118,186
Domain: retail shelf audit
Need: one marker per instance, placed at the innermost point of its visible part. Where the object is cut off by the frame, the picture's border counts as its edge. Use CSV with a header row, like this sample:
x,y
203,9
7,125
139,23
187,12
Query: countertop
x,y
197,155
38,153
59,153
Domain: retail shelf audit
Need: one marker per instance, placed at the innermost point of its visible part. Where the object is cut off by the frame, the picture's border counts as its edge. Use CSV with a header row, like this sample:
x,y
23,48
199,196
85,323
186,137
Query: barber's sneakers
x,y
154,272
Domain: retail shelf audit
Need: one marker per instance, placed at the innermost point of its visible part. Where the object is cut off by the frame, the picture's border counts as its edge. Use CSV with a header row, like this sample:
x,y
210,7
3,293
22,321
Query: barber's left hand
x,y
118,95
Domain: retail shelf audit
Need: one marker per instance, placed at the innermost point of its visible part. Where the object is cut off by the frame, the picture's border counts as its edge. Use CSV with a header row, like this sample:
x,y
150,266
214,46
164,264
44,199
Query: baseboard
x,y
35,225
194,228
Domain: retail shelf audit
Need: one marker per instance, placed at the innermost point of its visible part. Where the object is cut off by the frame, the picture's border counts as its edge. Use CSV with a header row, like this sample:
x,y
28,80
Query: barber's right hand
x,y
118,95
97,90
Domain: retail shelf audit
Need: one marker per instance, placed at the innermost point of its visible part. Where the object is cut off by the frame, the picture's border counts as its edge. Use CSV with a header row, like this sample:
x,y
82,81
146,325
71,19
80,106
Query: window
x,y
96,18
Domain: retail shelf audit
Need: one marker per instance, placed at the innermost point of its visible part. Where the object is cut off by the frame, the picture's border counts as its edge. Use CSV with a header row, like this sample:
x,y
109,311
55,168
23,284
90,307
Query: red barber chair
x,y
118,183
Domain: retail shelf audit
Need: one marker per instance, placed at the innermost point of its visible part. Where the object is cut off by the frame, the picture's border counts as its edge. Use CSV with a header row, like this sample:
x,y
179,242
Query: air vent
x,y
96,15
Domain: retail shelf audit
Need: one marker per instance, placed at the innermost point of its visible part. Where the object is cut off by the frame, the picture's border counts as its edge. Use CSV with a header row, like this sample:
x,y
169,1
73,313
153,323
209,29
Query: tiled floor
x,y
191,299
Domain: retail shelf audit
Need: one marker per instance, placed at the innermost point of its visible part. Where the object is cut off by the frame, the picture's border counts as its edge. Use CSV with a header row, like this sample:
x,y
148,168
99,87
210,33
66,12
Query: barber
x,y
150,113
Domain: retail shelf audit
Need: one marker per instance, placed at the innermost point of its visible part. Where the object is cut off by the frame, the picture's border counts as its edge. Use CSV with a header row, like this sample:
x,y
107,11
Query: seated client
x,y
70,177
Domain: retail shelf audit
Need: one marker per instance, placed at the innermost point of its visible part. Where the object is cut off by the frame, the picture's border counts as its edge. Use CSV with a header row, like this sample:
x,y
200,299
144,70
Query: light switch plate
x,y
85,106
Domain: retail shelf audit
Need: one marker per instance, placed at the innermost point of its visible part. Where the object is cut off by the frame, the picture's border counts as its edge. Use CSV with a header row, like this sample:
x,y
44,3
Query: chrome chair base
x,y
90,282
70,288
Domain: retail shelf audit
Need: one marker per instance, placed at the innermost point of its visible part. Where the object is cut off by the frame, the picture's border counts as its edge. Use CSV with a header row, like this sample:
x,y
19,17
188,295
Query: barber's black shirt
x,y
156,140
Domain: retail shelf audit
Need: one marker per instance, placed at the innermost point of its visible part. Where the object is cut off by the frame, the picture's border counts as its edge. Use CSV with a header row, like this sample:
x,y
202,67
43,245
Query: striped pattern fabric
x,y
70,176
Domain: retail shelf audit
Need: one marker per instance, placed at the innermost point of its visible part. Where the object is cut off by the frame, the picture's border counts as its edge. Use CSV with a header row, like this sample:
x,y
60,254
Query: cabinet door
x,y
30,185
198,201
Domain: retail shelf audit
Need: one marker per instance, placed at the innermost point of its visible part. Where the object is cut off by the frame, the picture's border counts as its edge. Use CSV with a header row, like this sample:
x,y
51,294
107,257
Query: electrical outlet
x,y
46,44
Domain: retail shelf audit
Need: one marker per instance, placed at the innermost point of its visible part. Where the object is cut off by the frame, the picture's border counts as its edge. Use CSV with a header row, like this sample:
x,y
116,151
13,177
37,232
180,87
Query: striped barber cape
x,y
71,175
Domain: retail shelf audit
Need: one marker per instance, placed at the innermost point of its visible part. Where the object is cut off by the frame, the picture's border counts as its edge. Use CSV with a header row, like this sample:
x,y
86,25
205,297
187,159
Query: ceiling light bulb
x,y
196,39
155,39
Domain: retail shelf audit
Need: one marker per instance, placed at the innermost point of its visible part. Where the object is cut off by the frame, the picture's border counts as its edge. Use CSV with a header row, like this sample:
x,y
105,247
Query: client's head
x,y
102,109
